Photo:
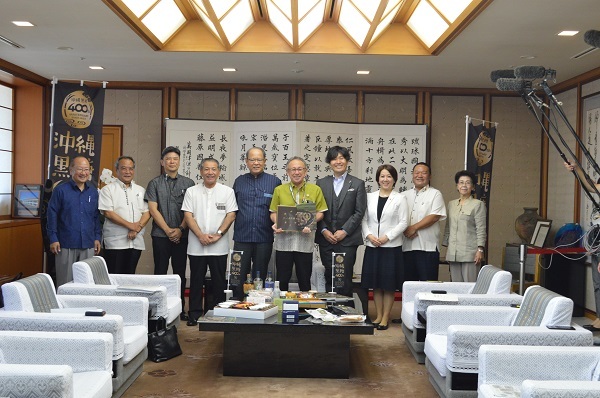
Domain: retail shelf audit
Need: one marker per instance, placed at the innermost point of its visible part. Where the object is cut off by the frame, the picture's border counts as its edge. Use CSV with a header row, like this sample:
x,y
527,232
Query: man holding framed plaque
x,y
302,205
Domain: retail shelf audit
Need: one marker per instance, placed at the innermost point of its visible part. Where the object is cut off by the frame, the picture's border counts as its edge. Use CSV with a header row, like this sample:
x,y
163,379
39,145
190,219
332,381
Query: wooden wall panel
x,y
21,245
257,105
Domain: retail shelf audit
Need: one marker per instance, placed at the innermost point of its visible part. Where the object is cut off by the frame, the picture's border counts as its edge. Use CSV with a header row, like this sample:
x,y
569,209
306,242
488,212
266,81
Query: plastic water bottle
x,y
269,282
276,290
258,283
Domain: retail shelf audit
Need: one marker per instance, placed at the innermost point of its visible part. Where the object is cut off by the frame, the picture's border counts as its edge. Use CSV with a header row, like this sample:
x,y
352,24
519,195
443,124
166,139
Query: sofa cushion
x,y
435,350
135,339
484,278
41,292
533,307
96,384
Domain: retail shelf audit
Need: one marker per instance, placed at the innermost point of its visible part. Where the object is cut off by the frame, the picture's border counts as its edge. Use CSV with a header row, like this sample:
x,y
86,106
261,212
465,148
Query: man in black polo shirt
x,y
165,195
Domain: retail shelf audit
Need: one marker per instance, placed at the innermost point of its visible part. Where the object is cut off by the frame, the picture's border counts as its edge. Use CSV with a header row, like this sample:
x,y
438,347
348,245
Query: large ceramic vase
x,y
526,222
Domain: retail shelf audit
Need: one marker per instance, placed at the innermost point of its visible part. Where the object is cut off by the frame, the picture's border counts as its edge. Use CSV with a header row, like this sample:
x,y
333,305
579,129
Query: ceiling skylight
x,y
296,20
266,25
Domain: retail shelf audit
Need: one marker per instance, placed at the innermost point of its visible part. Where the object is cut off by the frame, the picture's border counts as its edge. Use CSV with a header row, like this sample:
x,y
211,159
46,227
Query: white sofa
x,y
91,277
28,303
534,371
491,288
55,364
455,333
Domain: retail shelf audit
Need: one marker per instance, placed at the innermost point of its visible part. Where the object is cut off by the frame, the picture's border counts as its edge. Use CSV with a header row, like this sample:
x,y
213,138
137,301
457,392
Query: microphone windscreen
x,y
530,72
502,73
592,37
505,84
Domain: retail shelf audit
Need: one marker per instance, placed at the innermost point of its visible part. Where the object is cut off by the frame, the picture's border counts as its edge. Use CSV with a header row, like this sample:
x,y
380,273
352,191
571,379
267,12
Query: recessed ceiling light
x,y
229,70
363,72
22,23
96,67
65,48
568,33
527,57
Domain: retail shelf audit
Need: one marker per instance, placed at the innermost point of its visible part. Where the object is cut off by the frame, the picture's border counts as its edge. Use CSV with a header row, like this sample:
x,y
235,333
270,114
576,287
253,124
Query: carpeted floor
x,y
381,366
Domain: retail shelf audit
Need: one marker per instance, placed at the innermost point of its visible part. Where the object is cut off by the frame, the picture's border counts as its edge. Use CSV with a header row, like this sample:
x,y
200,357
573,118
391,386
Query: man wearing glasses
x,y
126,212
296,247
73,220
252,232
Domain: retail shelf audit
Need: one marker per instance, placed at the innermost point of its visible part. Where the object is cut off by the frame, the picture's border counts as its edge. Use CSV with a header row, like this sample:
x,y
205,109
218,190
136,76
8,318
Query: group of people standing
x,y
400,230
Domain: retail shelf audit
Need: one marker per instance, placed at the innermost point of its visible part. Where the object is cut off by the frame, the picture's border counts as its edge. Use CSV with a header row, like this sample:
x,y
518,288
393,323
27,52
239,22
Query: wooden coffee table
x,y
271,349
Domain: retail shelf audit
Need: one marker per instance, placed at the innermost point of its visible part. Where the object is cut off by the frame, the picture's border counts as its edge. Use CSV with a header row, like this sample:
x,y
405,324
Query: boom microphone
x,y
533,72
505,84
502,73
592,37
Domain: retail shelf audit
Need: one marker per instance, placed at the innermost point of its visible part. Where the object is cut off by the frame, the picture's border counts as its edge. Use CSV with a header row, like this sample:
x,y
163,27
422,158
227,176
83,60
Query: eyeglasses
x,y
465,183
126,168
255,160
82,170
297,170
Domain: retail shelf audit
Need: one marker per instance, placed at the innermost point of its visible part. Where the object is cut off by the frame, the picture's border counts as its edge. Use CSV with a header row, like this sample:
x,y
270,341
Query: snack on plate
x,y
351,318
290,295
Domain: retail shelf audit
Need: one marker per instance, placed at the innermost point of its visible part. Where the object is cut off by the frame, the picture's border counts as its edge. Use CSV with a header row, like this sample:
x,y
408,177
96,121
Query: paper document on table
x,y
447,297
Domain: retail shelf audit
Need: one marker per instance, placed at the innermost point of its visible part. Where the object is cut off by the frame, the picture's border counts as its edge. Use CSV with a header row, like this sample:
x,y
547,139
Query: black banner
x,y
480,159
77,129
338,271
235,268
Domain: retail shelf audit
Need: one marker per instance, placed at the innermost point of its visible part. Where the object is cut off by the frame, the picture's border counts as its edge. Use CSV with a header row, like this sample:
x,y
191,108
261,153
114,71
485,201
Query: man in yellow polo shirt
x,y
296,247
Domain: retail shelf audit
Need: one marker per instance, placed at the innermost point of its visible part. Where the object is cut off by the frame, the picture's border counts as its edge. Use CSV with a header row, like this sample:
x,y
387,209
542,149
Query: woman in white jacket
x,y
382,226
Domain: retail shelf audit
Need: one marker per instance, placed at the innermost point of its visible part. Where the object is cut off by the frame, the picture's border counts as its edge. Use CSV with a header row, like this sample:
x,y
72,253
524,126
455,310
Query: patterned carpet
x,y
381,366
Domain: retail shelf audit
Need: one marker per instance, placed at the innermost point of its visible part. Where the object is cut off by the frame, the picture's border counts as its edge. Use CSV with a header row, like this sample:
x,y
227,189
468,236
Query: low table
x,y
269,348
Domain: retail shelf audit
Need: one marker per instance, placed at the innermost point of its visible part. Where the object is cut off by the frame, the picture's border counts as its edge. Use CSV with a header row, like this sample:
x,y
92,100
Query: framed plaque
x,y
296,218
27,201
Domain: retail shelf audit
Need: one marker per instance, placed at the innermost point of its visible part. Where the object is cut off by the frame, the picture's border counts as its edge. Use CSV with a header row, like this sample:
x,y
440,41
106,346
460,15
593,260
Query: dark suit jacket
x,y
351,209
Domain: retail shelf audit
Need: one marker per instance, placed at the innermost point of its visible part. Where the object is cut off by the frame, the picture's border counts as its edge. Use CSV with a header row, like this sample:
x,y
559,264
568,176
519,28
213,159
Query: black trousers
x,y
165,250
122,261
420,265
255,257
349,260
198,267
285,261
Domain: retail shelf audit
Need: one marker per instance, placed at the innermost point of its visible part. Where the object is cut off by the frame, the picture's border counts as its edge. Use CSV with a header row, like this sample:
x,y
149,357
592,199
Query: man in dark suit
x,y
340,229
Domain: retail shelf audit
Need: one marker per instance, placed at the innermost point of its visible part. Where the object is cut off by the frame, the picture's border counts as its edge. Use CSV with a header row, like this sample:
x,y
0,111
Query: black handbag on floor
x,y
163,343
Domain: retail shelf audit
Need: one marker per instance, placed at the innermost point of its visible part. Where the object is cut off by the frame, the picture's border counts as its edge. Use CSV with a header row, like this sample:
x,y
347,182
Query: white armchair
x,y
28,304
528,372
455,333
62,370
91,277
491,288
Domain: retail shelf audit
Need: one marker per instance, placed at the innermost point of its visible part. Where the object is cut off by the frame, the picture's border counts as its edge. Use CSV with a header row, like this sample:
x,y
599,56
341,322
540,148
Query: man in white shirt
x,y
126,214
426,208
209,210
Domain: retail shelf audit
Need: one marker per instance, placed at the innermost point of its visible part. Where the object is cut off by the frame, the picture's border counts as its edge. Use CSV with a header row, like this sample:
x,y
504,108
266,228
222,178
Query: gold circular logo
x,y
78,109
483,148
339,259
237,257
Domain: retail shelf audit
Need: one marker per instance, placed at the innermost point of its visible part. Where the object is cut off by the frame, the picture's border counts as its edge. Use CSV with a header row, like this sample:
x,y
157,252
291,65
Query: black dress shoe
x,y
382,327
399,320
591,328
183,316
192,322
375,325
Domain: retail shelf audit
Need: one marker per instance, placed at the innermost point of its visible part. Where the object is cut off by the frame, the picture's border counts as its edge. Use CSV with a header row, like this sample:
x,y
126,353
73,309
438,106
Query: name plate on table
x,y
448,297
296,218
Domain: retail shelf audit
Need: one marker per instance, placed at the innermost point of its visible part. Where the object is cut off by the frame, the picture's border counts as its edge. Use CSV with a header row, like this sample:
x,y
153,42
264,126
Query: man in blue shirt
x,y
252,232
73,220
